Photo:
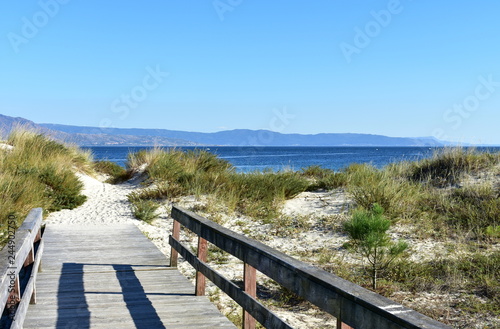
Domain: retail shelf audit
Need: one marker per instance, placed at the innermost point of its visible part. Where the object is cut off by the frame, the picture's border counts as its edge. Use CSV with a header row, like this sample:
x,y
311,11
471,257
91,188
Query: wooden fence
x,y
352,305
20,263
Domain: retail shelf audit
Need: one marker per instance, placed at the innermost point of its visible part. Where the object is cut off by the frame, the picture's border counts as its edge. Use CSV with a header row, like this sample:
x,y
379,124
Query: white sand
x,y
7,147
107,204
317,204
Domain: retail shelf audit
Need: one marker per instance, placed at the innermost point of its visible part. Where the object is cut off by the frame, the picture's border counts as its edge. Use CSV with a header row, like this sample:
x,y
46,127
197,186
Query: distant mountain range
x,y
98,138
94,136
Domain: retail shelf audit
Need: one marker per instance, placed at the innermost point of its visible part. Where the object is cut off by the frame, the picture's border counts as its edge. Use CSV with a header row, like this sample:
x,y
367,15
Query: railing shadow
x,y
73,307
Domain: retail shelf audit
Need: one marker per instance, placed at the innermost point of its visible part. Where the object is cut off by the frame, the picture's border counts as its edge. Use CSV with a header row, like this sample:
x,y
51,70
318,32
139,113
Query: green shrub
x,y
478,274
474,208
118,173
323,178
316,172
62,187
261,194
369,185
463,211
367,231
145,210
493,232
39,172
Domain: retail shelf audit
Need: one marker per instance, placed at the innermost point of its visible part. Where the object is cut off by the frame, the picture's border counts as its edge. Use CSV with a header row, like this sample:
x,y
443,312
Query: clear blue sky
x,y
396,68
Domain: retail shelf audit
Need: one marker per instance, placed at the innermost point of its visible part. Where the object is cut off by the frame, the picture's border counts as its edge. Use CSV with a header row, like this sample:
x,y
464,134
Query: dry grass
x,y
39,172
175,173
436,196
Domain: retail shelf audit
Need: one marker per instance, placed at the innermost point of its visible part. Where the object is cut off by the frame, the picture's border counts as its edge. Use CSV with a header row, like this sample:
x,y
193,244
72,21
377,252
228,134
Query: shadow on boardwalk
x,y
113,277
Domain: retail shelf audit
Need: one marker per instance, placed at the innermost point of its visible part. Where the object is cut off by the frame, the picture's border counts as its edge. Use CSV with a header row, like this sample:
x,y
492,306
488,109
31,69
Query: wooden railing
x,y
352,305
19,264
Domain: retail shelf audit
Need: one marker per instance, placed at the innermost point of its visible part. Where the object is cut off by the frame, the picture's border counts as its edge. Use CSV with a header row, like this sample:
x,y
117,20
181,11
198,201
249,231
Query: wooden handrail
x,y
24,249
352,305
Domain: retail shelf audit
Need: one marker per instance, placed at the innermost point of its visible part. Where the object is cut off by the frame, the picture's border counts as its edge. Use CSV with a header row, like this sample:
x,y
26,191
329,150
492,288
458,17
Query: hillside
x,y
94,137
245,137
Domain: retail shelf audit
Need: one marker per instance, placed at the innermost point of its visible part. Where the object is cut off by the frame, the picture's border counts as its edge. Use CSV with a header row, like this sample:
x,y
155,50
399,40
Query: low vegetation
x,y
451,198
443,196
174,173
145,210
367,231
116,173
39,172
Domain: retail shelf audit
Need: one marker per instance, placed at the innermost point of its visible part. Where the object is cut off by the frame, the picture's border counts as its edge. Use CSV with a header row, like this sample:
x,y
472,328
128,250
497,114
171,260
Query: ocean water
x,y
247,159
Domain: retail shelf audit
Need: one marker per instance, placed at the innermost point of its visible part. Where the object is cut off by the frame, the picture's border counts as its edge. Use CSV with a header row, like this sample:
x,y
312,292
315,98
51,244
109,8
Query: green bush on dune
x,y
39,172
117,174
368,237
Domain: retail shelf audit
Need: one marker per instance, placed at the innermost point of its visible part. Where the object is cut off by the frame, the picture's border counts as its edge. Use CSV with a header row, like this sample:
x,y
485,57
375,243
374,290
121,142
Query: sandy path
x,y
106,204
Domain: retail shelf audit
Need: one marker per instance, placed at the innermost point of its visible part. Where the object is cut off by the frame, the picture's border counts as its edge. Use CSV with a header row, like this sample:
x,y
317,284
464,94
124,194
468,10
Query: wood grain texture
x,y
17,276
250,287
12,260
173,253
200,278
356,306
113,277
261,313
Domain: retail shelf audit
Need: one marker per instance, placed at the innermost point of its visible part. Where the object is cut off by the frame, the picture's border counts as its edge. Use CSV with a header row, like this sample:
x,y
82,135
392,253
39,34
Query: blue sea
x,y
247,159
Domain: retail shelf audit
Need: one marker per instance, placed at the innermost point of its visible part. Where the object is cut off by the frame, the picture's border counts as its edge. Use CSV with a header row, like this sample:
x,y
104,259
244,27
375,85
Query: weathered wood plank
x,y
14,257
113,277
202,256
250,287
173,253
29,296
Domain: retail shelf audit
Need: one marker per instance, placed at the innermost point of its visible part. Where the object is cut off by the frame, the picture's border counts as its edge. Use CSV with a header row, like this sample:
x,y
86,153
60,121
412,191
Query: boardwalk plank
x,y
113,277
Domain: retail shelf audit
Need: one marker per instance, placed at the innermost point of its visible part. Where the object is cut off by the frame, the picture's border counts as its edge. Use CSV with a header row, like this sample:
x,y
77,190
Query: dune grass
x,y
444,197
176,173
423,192
117,174
447,166
323,178
441,194
39,172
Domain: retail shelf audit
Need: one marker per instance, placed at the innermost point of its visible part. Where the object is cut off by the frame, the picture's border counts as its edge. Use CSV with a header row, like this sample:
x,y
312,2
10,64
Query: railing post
x,y
250,286
14,292
202,255
341,325
33,295
38,238
174,255
30,259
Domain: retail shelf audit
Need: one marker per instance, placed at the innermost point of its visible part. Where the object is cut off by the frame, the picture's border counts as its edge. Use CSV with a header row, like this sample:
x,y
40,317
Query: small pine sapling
x,y
368,237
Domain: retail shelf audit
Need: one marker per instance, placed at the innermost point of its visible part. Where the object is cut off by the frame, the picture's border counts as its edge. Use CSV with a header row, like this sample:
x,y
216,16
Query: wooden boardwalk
x,y
113,277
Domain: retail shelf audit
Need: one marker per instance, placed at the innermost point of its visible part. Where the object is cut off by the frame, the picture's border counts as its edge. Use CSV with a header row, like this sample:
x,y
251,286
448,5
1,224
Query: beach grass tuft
x,y
447,166
39,172
117,174
175,173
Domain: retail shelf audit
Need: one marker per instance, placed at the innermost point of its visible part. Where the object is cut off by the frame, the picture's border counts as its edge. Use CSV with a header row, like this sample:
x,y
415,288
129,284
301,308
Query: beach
x,y
308,236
